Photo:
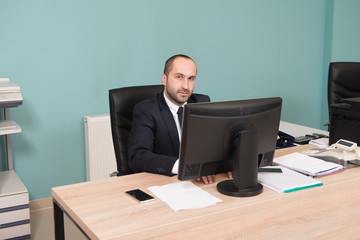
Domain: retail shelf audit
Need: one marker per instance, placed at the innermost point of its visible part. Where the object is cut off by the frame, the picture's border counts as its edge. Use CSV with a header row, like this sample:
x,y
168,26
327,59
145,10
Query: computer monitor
x,y
237,136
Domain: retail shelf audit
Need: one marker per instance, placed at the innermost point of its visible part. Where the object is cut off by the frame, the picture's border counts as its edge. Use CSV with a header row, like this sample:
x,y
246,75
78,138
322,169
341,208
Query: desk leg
x,y
58,222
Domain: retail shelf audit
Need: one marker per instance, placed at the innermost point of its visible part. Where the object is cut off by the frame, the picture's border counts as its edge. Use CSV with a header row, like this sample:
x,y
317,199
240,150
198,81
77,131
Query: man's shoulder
x,y
148,102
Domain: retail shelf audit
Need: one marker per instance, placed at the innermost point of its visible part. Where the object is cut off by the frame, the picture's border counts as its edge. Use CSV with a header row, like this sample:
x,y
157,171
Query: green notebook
x,y
287,181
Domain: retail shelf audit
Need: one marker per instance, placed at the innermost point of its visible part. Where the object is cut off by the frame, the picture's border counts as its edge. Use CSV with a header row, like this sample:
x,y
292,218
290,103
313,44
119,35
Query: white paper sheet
x,y
184,195
308,165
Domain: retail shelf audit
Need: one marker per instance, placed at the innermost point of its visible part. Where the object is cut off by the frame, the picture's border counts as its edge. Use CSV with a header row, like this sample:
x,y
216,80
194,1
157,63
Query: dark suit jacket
x,y
153,144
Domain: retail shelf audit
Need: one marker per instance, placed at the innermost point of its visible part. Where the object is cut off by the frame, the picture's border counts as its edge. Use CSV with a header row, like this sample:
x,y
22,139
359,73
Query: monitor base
x,y
227,187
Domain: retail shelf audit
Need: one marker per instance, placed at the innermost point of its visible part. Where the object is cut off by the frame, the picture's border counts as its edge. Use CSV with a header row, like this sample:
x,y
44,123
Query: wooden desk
x,y
102,210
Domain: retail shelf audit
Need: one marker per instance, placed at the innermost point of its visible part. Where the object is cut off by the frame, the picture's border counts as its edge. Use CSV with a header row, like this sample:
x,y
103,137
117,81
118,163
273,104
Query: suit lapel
x,y
169,122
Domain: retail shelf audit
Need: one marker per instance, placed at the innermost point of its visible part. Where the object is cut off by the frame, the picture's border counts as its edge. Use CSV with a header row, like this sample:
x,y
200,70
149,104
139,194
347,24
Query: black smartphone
x,y
140,195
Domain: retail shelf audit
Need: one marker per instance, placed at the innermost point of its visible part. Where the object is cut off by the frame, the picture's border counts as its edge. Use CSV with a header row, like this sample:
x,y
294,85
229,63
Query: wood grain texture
x,y
104,211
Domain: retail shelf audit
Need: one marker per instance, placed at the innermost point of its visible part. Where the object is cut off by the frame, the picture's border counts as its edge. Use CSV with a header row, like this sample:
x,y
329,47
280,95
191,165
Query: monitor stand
x,y
245,172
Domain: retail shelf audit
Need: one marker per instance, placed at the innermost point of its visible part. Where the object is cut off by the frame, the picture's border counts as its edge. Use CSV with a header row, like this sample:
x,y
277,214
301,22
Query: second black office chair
x,y
343,81
122,102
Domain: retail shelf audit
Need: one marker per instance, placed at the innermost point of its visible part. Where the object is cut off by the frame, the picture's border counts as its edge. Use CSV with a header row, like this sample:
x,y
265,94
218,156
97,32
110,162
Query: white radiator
x,y
100,155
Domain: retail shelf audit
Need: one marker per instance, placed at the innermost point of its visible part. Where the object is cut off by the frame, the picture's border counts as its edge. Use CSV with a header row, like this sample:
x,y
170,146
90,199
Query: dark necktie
x,y
180,113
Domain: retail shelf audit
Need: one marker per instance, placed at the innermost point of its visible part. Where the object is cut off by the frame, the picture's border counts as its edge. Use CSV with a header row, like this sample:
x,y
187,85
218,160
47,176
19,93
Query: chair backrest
x,y
343,81
122,102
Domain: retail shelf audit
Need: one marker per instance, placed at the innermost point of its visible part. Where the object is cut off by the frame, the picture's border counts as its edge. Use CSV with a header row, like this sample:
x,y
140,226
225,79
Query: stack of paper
x,y
184,195
287,181
9,127
10,95
308,165
320,142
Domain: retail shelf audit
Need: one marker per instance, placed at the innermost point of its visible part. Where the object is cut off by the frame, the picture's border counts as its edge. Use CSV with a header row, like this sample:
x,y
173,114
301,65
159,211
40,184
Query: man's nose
x,y
185,84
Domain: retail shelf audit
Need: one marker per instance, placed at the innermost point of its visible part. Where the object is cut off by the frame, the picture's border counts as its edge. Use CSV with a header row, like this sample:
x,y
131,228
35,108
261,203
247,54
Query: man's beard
x,y
174,98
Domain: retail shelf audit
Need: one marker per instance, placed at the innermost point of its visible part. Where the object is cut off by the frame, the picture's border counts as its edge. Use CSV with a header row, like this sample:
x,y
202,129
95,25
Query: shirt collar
x,y
173,107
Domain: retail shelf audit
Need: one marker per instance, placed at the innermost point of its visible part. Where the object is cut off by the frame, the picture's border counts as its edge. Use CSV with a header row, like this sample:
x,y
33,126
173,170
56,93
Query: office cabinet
x,y
14,207
14,196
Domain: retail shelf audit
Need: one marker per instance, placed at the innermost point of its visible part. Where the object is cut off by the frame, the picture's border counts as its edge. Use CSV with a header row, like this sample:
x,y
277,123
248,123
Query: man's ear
x,y
164,79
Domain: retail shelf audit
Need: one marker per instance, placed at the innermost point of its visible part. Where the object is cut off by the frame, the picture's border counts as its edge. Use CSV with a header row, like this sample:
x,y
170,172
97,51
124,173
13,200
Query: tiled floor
x,y
42,223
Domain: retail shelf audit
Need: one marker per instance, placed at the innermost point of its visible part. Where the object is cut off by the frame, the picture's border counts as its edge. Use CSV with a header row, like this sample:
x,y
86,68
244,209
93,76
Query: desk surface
x,y
299,130
103,210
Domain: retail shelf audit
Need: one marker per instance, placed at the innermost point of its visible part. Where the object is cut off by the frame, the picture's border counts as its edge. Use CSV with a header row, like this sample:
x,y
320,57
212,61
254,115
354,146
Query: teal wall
x,y
67,54
346,31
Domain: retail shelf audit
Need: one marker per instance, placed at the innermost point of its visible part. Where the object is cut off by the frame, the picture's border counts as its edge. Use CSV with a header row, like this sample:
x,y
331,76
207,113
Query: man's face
x,y
180,82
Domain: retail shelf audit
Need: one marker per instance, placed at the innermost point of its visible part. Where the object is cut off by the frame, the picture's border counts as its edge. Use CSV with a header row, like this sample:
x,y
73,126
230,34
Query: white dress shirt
x,y
174,109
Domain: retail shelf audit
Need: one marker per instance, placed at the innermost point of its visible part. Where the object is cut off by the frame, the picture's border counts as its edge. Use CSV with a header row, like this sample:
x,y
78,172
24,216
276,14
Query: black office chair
x,y
343,81
122,102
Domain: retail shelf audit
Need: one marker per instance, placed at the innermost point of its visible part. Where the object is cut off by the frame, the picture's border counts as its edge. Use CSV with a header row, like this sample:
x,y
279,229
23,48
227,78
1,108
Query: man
x,y
154,139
